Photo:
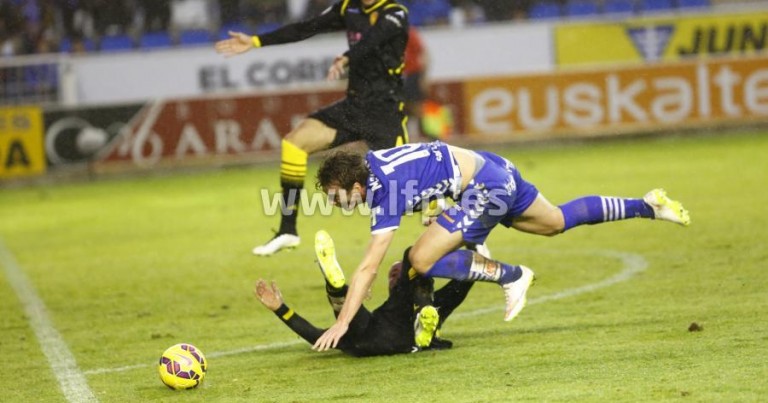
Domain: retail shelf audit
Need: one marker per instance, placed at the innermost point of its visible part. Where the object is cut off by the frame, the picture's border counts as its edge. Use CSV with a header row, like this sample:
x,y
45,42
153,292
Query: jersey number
x,y
400,155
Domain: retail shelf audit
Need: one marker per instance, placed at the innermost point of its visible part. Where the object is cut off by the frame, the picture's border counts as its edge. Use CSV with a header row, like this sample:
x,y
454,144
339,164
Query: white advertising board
x,y
186,72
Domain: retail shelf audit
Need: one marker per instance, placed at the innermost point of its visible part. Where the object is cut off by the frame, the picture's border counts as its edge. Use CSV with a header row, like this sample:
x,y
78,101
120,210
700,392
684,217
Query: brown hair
x,y
343,169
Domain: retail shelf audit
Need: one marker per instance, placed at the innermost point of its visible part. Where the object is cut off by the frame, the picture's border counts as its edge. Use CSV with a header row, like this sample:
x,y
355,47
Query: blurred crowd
x,y
42,26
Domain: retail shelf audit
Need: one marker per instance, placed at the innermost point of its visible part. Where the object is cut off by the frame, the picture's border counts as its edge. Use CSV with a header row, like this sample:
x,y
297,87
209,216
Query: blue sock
x,y
466,265
597,209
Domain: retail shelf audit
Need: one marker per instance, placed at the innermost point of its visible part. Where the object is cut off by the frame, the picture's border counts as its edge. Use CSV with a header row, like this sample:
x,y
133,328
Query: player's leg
x,y
311,135
335,283
466,265
447,299
450,296
410,298
488,201
531,212
543,218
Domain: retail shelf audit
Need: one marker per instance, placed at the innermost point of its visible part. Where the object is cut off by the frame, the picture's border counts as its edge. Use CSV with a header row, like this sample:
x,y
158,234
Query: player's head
x,y
394,274
343,176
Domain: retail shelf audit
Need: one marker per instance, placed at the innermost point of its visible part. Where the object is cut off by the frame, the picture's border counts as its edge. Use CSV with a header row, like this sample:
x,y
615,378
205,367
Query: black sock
x,y
290,207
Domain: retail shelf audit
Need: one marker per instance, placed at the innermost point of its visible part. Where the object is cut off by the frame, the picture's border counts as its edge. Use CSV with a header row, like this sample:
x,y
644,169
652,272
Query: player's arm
x,y
358,287
238,42
391,22
272,299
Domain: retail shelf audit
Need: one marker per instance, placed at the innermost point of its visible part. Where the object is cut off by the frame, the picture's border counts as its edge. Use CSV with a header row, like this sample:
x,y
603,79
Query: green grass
x,y
129,267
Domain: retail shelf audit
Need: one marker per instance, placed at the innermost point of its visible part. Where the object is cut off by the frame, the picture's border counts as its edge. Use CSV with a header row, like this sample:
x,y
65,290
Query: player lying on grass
x,y
488,190
392,328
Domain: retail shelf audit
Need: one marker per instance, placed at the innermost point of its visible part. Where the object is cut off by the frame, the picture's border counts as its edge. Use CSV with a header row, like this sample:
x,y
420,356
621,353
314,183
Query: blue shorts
x,y
496,195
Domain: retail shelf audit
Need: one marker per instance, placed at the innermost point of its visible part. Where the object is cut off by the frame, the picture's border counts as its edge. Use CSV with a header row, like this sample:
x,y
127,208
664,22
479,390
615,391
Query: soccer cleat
x,y
667,209
515,291
325,251
279,242
439,344
425,325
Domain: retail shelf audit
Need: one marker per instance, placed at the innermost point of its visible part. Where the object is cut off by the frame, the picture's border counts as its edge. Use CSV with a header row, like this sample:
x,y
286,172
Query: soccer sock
x,y
597,209
465,265
336,297
449,297
293,169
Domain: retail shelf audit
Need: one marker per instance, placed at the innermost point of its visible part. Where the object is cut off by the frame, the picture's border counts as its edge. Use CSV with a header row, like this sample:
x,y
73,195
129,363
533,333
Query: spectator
x,y
68,9
264,12
156,14
110,16
229,11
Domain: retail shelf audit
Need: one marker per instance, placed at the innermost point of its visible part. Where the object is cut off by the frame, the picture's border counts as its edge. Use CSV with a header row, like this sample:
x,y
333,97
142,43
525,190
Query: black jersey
x,y
385,331
377,36
389,328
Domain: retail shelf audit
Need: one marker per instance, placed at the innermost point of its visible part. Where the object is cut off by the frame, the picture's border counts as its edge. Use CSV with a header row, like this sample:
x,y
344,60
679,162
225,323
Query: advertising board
x,y
611,101
641,40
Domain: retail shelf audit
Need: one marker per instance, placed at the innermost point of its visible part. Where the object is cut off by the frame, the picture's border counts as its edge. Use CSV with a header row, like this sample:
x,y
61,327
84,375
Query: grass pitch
x,y
126,268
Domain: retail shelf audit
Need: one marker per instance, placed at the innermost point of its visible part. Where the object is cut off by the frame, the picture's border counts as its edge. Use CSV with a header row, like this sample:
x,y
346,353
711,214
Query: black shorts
x,y
380,124
412,88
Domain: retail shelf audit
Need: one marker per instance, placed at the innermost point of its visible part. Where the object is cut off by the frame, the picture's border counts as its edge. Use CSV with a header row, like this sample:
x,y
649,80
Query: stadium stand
x,y
619,8
428,12
693,3
653,6
195,37
581,8
116,43
196,22
155,40
545,10
77,45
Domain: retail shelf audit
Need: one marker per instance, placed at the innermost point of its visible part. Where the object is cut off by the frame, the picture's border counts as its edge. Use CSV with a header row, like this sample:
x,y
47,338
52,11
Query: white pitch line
x,y
261,347
633,264
71,380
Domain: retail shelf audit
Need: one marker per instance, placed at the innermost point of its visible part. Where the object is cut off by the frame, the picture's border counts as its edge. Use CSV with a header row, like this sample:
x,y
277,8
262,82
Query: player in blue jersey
x,y
488,190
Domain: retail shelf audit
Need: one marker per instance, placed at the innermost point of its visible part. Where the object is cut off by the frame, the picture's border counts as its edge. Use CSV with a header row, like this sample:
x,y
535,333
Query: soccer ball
x,y
182,366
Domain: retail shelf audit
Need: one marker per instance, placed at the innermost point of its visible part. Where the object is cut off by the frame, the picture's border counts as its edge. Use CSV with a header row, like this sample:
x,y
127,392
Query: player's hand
x,y
338,68
237,43
330,339
269,296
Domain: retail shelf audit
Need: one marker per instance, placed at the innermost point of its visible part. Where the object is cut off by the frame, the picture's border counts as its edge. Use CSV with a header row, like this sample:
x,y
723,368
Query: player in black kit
x,y
377,33
387,330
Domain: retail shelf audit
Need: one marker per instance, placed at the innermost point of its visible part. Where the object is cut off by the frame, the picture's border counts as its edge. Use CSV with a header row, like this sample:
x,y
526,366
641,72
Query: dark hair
x,y
343,169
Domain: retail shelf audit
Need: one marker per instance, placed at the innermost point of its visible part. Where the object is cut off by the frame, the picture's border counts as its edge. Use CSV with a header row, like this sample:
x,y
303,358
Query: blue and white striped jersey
x,y
402,178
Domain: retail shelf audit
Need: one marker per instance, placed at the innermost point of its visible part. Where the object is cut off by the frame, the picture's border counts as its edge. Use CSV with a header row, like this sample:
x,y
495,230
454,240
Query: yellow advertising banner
x,y
667,39
21,142
609,101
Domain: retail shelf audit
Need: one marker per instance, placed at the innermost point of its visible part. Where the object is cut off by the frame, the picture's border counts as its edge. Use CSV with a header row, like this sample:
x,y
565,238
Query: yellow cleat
x,y
667,209
425,326
325,251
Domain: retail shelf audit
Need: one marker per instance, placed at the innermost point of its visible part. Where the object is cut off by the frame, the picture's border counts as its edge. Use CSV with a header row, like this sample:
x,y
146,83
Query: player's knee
x,y
296,139
420,262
